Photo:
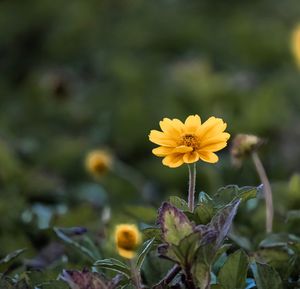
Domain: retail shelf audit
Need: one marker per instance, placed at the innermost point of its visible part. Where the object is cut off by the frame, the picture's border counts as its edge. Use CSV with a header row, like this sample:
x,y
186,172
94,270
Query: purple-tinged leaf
x,y
167,252
208,234
222,221
174,224
82,280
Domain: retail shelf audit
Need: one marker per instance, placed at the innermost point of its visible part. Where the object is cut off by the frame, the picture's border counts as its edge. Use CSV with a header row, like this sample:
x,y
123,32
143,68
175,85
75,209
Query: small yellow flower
x,y
295,44
127,238
98,162
190,141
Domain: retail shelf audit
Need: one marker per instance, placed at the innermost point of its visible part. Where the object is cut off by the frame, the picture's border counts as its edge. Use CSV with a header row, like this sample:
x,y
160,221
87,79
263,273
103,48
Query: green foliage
x,y
203,214
9,259
88,249
145,250
93,74
114,265
233,192
234,272
179,203
265,276
194,241
31,280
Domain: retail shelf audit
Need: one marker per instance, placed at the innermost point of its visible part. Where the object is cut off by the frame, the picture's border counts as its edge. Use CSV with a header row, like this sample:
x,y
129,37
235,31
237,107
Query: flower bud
x,y
243,145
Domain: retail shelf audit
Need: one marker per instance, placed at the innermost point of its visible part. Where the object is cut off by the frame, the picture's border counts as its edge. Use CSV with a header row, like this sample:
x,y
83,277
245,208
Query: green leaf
x,y
230,193
5,283
233,274
52,284
201,275
203,214
240,241
293,215
216,286
248,193
8,259
45,279
114,265
265,276
84,250
179,203
280,258
188,247
279,240
174,223
201,267
22,284
91,246
145,250
221,251
169,252
185,252
152,232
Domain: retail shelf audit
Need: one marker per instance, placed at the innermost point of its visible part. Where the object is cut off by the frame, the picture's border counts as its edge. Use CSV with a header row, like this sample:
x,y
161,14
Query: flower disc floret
x,y
190,141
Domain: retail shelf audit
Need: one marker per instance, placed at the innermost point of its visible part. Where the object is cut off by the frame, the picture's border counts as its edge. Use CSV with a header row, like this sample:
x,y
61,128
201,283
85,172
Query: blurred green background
x,y
80,75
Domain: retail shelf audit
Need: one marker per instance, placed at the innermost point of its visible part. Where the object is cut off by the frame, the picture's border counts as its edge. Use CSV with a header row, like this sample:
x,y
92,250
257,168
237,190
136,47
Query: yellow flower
x,y
190,141
98,162
127,238
295,44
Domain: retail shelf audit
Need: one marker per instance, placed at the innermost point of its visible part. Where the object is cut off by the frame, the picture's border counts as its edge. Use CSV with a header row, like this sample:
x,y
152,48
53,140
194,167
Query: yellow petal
x,y
178,123
126,253
160,138
173,161
208,157
215,143
211,127
192,123
182,149
214,147
191,157
171,127
162,151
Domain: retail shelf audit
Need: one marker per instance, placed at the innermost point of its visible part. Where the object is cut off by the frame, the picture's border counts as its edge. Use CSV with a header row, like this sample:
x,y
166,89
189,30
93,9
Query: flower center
x,y
190,140
127,240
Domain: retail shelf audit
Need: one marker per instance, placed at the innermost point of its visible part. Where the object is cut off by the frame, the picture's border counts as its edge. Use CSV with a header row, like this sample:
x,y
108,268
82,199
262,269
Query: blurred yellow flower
x,y
190,141
127,238
98,162
295,44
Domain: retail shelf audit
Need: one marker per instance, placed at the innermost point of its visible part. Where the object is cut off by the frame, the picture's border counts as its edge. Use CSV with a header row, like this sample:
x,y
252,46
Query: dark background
x,y
79,75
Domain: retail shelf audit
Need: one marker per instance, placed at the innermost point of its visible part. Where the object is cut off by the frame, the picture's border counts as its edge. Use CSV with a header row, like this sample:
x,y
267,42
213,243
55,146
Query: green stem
x,y
208,279
192,185
136,275
189,282
168,278
267,191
